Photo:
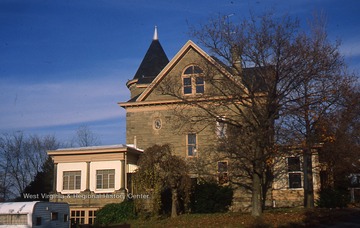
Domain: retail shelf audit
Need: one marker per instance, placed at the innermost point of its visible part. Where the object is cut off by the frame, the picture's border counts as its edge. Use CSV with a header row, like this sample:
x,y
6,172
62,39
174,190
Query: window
x,y
221,127
13,219
54,216
92,216
130,184
223,177
199,84
66,217
191,145
78,217
187,85
87,216
71,180
38,221
193,81
354,180
105,178
294,171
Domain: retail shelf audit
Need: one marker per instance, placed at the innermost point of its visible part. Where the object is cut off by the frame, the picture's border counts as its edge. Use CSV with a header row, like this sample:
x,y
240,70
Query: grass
x,y
294,217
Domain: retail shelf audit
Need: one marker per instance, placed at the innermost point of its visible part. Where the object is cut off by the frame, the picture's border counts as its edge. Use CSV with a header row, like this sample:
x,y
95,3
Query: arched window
x,y
193,80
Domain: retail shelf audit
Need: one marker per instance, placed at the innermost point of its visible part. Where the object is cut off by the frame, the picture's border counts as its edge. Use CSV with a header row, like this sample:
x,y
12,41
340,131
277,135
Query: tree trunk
x,y
307,165
308,180
174,202
256,196
256,190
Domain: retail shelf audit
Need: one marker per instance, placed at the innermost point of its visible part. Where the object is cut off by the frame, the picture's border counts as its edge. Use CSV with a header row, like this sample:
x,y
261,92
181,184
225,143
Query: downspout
x,y
125,173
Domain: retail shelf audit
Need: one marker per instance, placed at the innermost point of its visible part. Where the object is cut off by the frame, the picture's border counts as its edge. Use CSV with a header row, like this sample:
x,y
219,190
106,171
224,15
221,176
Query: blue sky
x,y
65,63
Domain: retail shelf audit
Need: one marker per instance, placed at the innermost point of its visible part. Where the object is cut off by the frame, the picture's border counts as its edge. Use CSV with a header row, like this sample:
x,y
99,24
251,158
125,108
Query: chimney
x,y
236,60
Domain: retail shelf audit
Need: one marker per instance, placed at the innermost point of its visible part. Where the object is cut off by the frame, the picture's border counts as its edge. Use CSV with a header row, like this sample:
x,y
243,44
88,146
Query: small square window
x,y
187,81
294,180
54,216
199,81
200,89
294,164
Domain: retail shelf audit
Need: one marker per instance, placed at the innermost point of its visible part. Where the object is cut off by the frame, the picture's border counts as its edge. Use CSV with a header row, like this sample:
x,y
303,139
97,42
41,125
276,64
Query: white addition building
x,y
87,178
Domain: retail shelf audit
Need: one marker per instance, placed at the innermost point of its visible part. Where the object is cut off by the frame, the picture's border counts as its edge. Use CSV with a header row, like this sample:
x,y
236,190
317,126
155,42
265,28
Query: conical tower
x,y
153,62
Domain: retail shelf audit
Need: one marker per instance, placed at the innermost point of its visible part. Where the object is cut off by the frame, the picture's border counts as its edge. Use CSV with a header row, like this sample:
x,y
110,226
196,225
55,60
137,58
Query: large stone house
x,y
154,115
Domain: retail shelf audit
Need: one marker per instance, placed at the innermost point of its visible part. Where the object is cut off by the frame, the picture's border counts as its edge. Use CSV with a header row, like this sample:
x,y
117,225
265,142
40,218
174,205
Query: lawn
x,y
294,217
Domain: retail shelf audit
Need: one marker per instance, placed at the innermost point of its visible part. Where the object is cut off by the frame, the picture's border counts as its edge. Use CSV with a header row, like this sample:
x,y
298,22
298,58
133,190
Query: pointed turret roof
x,y
154,61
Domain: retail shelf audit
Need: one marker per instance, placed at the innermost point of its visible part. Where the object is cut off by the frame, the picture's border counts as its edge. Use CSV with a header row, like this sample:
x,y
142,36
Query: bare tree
x,y
85,137
340,133
267,59
315,97
21,159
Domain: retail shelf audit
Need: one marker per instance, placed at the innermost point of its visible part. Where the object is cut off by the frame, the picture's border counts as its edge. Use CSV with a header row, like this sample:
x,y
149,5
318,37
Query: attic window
x,y
193,80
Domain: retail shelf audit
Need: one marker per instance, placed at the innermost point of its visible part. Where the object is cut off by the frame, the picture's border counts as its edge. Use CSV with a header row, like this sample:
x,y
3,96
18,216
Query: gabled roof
x,y
153,62
189,45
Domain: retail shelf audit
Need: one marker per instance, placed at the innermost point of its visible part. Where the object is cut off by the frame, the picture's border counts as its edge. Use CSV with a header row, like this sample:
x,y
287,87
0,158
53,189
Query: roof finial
x,y
155,34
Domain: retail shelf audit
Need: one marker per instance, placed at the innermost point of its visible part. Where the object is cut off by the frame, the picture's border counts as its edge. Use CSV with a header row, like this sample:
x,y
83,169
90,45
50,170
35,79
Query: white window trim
x,y
195,150
63,176
221,127
294,172
192,77
102,180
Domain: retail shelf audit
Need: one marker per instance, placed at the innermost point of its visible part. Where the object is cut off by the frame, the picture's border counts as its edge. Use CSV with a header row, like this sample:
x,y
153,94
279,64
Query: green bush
x,y
332,198
211,198
116,213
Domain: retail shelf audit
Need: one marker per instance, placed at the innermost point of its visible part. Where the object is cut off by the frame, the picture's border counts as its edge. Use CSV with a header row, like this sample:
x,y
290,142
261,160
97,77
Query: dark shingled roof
x,y
251,77
154,61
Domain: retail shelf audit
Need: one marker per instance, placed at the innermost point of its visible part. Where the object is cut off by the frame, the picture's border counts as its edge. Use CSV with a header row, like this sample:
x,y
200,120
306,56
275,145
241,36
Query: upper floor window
x,y
221,127
105,178
191,145
71,180
193,80
294,171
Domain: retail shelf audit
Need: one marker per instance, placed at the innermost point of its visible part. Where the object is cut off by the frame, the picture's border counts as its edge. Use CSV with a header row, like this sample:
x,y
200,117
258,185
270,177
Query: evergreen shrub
x,y
210,197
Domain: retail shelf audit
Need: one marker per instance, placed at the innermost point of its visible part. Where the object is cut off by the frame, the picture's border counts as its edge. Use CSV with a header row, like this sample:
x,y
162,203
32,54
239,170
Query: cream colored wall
x,y
105,165
282,195
82,166
76,166
281,181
